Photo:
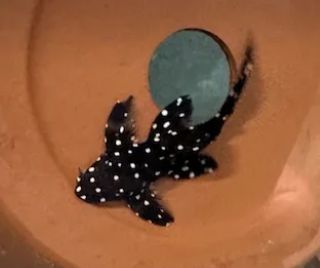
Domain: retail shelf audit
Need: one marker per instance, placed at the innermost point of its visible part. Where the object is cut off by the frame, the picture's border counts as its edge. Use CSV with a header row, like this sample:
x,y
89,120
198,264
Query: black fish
x,y
126,170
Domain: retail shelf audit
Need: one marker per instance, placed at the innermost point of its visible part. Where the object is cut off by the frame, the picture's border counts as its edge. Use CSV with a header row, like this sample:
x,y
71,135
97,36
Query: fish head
x,y
111,178
98,183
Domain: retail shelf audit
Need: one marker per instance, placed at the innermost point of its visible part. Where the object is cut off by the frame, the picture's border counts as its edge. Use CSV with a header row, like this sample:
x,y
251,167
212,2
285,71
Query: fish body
x,y
173,149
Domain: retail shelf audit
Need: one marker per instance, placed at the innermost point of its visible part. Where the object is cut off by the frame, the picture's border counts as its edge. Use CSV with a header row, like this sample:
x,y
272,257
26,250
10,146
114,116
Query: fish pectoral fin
x,y
146,206
191,166
120,126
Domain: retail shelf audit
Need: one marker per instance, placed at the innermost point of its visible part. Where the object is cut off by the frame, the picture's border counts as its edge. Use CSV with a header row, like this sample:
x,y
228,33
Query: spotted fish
x,y
126,169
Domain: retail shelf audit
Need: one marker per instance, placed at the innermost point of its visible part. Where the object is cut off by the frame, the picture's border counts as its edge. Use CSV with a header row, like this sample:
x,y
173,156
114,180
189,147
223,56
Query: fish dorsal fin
x,y
171,124
120,127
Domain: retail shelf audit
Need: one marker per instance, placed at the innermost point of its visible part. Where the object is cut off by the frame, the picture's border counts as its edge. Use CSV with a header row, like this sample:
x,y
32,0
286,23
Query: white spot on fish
x,y
185,168
209,170
121,129
182,115
118,142
164,112
146,203
138,197
154,126
116,177
116,153
166,124
129,152
78,179
98,190
191,175
195,149
91,169
132,165
92,180
179,101
180,147
78,189
136,175
102,200
148,150
121,190
83,197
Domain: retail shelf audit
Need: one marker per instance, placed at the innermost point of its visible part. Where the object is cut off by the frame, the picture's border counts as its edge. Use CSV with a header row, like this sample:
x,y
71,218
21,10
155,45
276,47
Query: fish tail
x,y
171,130
234,94
212,128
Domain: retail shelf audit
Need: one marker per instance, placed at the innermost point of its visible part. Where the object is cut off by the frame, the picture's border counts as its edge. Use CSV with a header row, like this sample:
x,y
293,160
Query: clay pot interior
x,y
67,62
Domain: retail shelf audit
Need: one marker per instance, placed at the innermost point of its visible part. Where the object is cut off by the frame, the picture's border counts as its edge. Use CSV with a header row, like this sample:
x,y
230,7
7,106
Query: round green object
x,y
191,62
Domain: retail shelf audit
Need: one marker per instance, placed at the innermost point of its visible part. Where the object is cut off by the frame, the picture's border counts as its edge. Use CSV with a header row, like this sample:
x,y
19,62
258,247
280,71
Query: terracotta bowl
x,y
65,63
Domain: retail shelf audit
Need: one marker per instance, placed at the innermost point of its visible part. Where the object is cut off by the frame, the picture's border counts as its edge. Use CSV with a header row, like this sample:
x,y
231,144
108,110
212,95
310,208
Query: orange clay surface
x,y
63,66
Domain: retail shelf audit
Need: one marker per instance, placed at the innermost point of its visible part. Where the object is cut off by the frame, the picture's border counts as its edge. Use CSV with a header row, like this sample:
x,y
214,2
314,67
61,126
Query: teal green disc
x,y
191,62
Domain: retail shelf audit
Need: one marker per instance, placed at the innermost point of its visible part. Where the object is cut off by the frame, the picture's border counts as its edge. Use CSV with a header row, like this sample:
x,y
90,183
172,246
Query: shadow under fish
x,y
127,168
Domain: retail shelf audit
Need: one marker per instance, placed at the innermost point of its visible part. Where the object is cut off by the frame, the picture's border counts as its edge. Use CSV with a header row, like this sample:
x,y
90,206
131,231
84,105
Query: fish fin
x,y
171,124
199,136
191,166
209,130
120,127
146,206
